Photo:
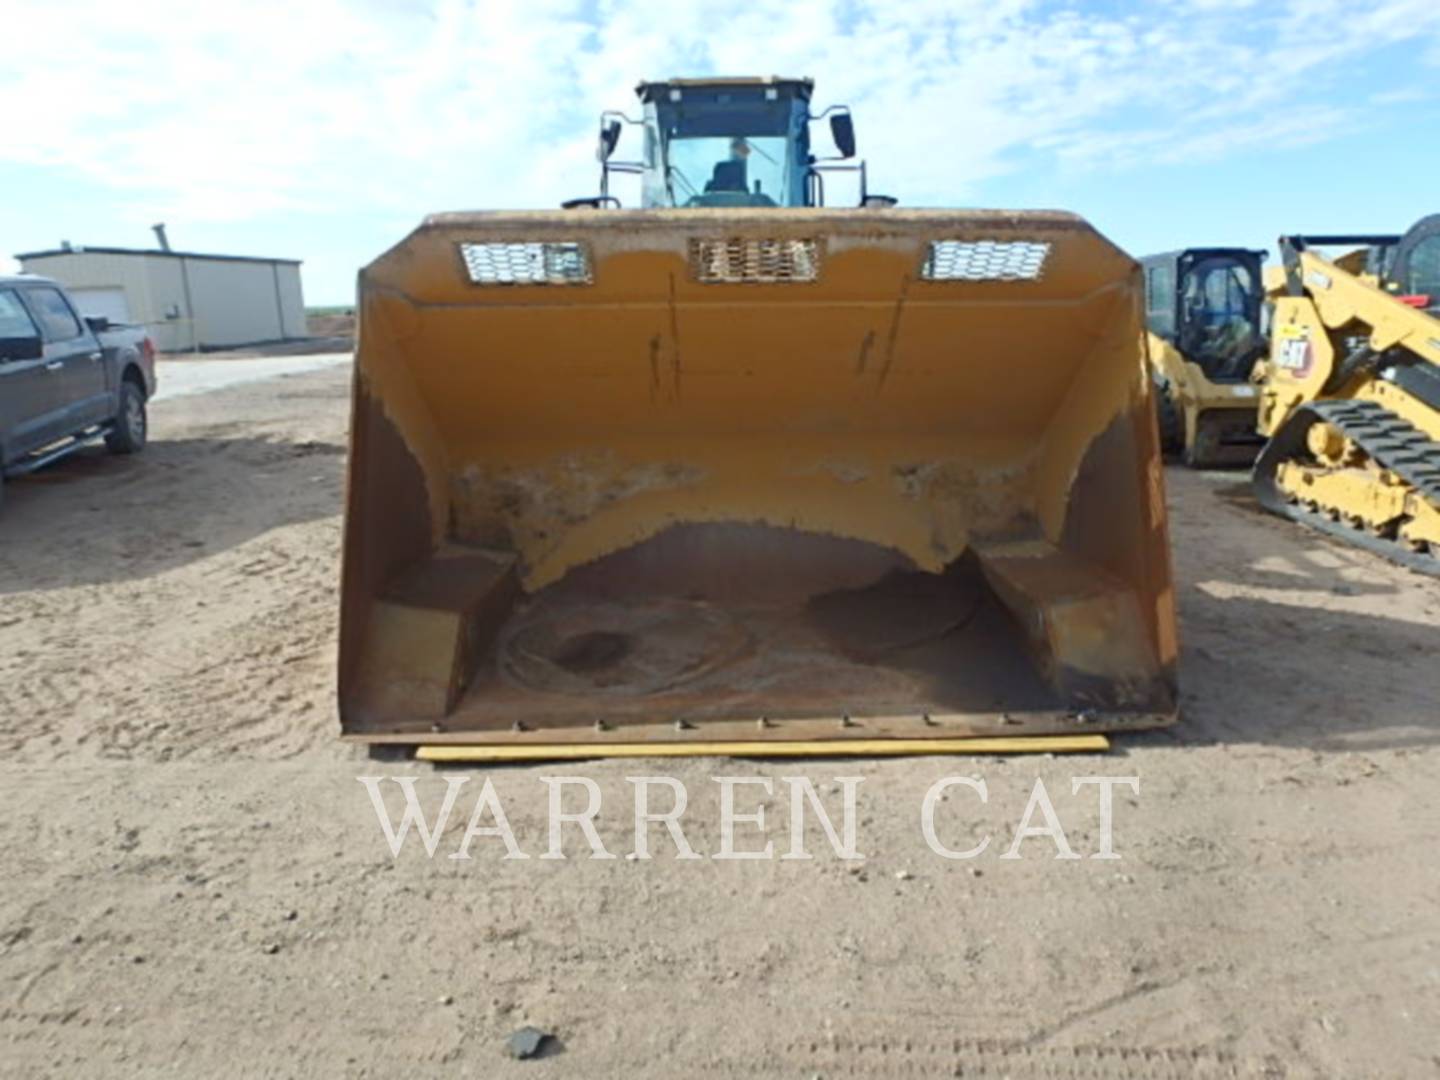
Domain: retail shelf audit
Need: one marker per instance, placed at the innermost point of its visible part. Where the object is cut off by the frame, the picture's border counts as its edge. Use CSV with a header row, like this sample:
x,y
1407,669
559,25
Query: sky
x,y
324,130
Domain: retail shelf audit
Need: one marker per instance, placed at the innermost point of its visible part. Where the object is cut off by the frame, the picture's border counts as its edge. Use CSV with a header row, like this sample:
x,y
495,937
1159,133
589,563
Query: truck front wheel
x,y
128,435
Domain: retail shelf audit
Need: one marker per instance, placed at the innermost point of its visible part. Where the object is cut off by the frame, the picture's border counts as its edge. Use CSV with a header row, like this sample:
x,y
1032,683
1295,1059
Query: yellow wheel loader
x,y
1203,309
733,467
1351,394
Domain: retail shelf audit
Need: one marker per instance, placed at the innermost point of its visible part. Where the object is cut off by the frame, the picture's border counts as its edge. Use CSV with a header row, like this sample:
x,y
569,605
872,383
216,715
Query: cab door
x,y
69,343
31,409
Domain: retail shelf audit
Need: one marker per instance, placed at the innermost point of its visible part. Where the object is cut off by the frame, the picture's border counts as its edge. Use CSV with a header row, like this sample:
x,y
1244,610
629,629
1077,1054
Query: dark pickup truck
x,y
65,380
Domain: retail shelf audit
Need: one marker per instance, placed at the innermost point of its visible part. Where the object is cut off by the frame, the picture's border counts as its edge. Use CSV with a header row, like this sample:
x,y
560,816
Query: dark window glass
x,y
15,321
1220,300
1425,268
1160,300
56,318
1161,289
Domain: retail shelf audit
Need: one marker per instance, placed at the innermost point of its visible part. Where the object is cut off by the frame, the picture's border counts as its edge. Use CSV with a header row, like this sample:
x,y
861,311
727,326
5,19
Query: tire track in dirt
x,y
152,634
899,1056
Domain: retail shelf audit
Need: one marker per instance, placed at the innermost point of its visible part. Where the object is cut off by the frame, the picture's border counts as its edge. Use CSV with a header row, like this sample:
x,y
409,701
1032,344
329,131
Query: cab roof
x,y
1175,256
655,90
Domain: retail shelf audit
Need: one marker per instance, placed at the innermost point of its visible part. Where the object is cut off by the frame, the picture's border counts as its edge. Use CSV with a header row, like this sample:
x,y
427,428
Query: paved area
x,y
181,378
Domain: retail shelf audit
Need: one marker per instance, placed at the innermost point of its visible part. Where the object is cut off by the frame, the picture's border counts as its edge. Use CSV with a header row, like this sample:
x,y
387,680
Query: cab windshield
x,y
1220,314
1424,277
737,171
726,148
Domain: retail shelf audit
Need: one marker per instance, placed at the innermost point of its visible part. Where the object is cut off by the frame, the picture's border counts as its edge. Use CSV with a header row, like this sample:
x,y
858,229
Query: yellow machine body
x,y
1204,312
625,476
1351,404
1205,410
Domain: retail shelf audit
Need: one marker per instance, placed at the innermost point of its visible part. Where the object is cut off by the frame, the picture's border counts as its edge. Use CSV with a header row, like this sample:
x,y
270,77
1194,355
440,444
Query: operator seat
x,y
728,176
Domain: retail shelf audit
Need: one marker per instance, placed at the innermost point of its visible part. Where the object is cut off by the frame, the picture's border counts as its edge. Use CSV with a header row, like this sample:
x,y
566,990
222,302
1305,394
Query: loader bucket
x,y
738,475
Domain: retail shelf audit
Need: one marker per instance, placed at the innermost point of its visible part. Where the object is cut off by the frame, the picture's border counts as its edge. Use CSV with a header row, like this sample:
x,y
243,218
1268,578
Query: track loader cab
x,y
723,465
1412,269
1204,313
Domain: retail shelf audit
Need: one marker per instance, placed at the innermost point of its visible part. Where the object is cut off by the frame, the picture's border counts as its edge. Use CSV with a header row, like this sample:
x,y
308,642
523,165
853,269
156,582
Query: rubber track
x,y
1389,440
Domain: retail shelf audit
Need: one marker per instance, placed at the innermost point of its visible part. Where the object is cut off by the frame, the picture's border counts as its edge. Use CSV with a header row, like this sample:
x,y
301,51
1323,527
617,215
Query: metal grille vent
x,y
985,260
494,262
747,260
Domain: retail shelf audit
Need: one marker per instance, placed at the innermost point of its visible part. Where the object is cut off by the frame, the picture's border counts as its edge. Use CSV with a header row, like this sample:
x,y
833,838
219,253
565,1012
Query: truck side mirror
x,y
21,348
609,136
98,324
842,130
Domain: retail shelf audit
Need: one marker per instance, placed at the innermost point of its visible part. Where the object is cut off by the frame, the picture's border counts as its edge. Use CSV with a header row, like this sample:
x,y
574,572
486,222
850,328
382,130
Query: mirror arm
x,y
610,118
835,164
815,186
607,167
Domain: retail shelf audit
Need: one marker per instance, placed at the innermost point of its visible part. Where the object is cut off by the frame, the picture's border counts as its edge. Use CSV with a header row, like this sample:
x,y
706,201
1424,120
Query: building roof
x,y
151,253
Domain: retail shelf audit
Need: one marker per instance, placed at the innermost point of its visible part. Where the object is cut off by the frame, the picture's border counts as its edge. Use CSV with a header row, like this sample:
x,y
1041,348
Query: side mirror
x,y
98,324
842,130
21,348
609,136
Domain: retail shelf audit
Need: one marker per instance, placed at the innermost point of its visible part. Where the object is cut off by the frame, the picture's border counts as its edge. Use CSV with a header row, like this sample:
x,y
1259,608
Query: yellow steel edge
x,y
1026,744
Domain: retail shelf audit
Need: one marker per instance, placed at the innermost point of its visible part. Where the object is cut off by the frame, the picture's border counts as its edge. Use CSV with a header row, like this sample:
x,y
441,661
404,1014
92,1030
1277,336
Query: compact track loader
x,y
1203,308
1351,394
733,467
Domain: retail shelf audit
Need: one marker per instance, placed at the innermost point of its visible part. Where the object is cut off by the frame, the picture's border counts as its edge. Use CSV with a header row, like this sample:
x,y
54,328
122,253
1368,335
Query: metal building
x,y
187,300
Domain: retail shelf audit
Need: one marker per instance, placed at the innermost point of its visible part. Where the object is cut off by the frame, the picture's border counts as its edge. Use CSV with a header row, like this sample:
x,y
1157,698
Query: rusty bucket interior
x,y
740,475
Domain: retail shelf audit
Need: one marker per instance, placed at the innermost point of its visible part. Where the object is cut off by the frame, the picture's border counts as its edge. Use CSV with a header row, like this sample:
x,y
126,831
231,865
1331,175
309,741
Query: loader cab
x,y
1405,265
1413,264
726,143
1208,303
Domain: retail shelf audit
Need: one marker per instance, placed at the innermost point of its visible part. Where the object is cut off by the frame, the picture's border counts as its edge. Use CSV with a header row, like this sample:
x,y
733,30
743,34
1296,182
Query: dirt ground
x,y
335,324
194,882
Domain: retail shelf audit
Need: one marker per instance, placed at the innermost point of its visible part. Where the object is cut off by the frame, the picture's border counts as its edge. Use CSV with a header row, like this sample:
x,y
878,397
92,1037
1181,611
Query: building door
x,y
108,301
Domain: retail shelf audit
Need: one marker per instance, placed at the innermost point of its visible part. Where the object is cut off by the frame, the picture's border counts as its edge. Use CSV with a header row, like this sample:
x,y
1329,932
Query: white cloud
x,y
1294,127
230,112
1407,96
